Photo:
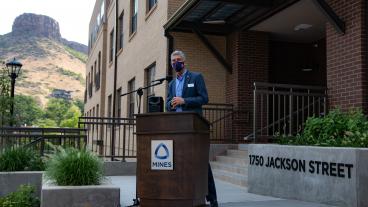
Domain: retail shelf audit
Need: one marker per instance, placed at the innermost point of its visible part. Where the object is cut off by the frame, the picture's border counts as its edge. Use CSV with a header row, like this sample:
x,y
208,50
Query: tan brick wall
x,y
200,59
98,46
148,45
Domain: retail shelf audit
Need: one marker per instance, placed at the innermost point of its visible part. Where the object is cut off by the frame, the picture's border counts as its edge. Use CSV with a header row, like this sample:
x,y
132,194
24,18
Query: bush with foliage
x,y
24,197
74,167
5,100
337,128
20,159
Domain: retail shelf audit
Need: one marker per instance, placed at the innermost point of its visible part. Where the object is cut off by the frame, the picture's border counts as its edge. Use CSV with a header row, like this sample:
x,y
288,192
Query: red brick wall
x,y
347,56
249,54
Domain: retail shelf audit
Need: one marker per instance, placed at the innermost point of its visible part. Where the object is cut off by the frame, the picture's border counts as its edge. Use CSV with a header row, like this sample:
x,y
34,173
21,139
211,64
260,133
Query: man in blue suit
x,y
188,93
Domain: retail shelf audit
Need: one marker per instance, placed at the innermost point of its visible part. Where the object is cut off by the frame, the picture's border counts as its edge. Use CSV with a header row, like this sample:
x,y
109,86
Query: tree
x,y
26,110
80,105
5,99
56,109
45,123
71,118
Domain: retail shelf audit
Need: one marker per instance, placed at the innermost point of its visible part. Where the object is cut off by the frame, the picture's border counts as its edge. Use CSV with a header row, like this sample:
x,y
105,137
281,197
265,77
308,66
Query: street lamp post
x,y
13,68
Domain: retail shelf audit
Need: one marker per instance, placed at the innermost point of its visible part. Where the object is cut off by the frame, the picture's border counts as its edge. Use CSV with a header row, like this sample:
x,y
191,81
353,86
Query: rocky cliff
x,y
42,26
49,61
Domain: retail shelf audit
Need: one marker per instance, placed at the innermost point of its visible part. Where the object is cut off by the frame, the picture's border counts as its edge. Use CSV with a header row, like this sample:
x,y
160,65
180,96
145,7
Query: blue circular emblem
x,y
166,152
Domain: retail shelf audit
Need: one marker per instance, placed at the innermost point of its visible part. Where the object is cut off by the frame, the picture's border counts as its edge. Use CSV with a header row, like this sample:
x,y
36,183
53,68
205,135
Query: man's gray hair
x,y
178,53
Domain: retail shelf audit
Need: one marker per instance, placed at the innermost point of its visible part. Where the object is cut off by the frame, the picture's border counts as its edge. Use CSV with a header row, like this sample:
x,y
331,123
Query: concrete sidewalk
x,y
228,195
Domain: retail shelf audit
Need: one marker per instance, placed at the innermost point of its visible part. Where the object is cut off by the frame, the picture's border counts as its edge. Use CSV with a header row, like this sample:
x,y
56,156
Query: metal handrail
x,y
278,121
277,98
31,136
280,85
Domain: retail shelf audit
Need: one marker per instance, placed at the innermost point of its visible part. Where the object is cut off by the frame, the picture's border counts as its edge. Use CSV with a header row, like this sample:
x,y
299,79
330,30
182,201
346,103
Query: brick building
x,y
306,55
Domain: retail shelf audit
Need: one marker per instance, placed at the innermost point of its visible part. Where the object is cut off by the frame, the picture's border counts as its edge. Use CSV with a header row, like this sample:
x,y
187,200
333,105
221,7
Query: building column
x,y
249,55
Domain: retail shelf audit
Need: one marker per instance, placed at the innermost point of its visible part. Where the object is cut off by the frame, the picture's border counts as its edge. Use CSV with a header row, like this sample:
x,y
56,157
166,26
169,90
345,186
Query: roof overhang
x,y
222,17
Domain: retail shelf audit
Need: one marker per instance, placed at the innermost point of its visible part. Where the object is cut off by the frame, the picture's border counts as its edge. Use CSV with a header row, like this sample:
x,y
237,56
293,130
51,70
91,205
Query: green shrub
x,y
339,129
74,167
24,197
20,159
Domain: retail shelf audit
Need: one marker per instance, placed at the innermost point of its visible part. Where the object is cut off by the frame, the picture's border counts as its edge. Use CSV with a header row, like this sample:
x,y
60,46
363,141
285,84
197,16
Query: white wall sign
x,y
162,153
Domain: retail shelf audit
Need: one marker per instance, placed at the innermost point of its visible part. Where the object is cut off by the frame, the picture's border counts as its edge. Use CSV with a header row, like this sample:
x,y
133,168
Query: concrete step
x,y
230,168
237,153
234,178
233,160
243,146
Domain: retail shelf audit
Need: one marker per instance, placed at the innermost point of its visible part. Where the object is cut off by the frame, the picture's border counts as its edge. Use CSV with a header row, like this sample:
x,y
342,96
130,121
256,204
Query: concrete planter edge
x,y
328,175
10,181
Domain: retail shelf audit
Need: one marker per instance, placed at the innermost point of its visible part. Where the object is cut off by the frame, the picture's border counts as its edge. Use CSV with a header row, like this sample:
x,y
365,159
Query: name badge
x,y
190,85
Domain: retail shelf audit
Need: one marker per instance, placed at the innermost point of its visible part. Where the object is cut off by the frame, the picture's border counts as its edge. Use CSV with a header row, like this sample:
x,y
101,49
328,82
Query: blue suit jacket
x,y
194,96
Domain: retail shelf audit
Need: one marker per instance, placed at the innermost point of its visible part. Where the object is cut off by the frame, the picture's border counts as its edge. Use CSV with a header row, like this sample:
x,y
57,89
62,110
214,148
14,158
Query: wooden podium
x,y
186,184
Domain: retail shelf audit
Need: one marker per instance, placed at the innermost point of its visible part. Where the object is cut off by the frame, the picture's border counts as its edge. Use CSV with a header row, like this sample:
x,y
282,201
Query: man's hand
x,y
177,101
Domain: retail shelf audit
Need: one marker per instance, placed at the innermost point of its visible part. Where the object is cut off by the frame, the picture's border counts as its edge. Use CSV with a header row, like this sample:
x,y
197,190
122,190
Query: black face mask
x,y
178,66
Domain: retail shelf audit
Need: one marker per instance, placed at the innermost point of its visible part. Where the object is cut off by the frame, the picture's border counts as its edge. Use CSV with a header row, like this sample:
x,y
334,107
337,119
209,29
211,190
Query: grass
x,y
76,76
73,167
82,57
20,159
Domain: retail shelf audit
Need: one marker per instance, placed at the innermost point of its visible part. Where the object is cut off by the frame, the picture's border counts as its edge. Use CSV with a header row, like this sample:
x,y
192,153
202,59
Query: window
x,y
90,82
151,4
118,102
89,85
111,45
131,87
95,75
102,11
133,15
93,112
85,95
97,110
109,102
98,72
100,19
150,76
121,30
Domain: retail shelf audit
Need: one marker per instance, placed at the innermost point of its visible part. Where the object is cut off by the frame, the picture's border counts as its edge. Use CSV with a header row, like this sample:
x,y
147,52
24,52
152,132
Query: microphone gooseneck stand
x,y
139,92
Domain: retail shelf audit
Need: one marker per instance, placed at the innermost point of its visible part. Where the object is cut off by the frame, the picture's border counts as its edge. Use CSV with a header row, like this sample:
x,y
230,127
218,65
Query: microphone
x,y
167,78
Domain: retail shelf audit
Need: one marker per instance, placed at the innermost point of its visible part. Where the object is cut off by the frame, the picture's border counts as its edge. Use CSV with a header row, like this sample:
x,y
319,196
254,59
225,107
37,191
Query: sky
x,y
73,15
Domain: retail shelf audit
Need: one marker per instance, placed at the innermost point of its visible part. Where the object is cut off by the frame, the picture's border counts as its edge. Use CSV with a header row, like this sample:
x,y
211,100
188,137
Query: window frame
x,y
150,7
111,49
133,17
121,31
131,98
118,102
98,73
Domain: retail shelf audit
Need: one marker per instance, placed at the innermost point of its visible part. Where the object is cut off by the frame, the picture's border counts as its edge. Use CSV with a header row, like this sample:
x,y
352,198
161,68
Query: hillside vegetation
x,y
47,65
